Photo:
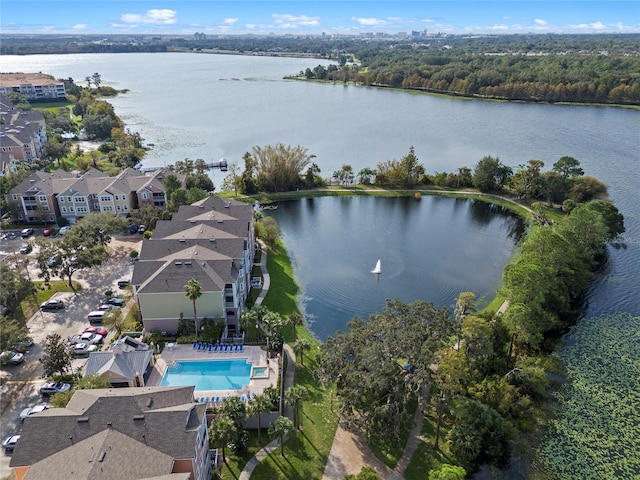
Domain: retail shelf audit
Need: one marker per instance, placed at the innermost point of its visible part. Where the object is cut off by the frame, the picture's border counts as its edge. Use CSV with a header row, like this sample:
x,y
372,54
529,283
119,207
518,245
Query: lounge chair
x,y
215,347
241,347
195,344
226,347
237,349
210,347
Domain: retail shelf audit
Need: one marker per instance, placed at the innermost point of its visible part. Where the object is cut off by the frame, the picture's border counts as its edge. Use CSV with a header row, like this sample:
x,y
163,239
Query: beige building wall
x,y
155,307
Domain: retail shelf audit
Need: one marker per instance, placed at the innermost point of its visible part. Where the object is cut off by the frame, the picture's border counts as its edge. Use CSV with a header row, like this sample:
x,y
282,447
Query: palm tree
x,y
294,397
295,319
233,408
300,347
280,428
221,432
257,406
193,291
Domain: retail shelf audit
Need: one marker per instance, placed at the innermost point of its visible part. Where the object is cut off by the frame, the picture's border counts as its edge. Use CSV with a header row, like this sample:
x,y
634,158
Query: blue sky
x,y
309,16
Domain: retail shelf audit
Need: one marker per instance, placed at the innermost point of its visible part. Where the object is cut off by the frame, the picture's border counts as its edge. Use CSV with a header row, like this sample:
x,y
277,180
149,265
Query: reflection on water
x,y
430,250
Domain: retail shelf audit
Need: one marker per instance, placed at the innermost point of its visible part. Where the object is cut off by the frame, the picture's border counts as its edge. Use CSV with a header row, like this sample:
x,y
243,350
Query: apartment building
x,y
34,86
211,241
117,433
45,197
22,135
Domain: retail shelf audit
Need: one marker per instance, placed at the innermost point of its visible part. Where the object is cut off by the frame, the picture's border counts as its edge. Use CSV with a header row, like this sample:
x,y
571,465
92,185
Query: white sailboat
x,y
378,268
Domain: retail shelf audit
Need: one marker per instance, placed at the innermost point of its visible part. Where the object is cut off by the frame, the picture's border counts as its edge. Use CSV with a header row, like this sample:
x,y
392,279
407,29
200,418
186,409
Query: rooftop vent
x,y
101,457
138,417
189,263
178,263
149,402
192,221
182,240
83,420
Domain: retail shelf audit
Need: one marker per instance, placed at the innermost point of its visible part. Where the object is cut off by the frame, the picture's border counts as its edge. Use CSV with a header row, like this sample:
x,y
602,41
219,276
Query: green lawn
x,y
30,305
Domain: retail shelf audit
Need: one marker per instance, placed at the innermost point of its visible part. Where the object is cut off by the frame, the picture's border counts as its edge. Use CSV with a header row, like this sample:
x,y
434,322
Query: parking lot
x,y
22,382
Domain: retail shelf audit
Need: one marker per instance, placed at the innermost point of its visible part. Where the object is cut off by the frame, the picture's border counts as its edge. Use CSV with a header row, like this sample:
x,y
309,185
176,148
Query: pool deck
x,y
253,354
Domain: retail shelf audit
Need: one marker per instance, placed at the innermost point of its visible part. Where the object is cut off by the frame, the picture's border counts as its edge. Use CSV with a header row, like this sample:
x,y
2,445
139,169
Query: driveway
x,y
23,381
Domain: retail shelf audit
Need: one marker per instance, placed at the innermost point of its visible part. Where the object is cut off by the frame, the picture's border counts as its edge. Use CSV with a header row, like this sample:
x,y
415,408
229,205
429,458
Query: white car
x,y
9,443
51,388
64,230
83,348
90,337
31,410
11,358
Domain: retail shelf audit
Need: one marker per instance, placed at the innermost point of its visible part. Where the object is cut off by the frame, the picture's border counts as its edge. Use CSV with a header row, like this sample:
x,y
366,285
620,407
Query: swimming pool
x,y
208,374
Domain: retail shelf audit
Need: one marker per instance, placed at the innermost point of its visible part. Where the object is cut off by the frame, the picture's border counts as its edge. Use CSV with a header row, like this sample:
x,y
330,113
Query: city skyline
x,y
316,17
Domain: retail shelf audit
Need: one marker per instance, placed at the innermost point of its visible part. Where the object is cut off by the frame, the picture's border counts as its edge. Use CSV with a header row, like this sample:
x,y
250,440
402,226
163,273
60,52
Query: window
x,y
42,198
80,199
63,209
124,196
118,207
14,196
125,208
117,197
45,208
71,209
145,195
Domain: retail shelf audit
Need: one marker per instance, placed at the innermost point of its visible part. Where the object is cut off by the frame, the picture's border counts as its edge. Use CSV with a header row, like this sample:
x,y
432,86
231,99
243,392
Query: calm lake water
x,y
210,106
431,250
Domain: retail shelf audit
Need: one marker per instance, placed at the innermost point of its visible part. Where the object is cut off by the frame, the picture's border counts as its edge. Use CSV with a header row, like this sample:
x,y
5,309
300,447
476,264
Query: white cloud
x,y
369,22
539,22
230,21
80,26
293,21
162,16
498,27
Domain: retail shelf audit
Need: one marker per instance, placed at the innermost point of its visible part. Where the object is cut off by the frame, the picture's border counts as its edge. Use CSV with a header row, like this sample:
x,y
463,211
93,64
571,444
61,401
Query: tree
x,y
96,79
279,166
267,229
15,286
193,291
490,174
294,396
295,320
281,428
448,472
56,357
366,473
221,432
300,346
60,400
258,405
568,167
171,184
11,332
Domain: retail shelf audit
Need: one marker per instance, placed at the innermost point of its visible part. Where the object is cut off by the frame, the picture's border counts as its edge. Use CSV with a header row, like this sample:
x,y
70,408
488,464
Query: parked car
x,y
25,248
124,283
31,410
142,229
54,260
11,358
26,232
52,305
64,230
97,330
133,229
9,443
79,349
107,306
51,388
89,337
117,301
22,346
46,232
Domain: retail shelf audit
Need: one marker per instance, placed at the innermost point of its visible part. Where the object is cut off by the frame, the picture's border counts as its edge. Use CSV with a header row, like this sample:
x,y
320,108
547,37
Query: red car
x,y
46,232
97,330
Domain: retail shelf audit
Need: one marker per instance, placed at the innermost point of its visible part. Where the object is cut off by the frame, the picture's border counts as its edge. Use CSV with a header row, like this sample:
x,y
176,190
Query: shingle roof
x,y
172,276
123,365
144,414
41,182
107,455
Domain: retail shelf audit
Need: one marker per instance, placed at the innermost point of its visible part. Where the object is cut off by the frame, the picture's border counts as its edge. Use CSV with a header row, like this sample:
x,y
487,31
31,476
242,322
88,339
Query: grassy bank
x,y
306,453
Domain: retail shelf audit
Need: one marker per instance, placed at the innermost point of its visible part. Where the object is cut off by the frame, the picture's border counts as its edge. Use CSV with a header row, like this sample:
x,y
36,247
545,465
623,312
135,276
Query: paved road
x,y
23,381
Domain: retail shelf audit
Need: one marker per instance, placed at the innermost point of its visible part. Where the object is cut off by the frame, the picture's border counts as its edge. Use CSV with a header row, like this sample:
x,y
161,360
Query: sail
x,y
378,268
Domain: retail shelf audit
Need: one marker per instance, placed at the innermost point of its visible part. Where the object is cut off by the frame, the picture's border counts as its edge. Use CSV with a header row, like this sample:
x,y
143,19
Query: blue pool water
x,y
208,374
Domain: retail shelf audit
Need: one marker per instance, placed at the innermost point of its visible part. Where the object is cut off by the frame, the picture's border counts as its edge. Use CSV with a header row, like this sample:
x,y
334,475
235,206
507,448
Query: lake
x,y
213,106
